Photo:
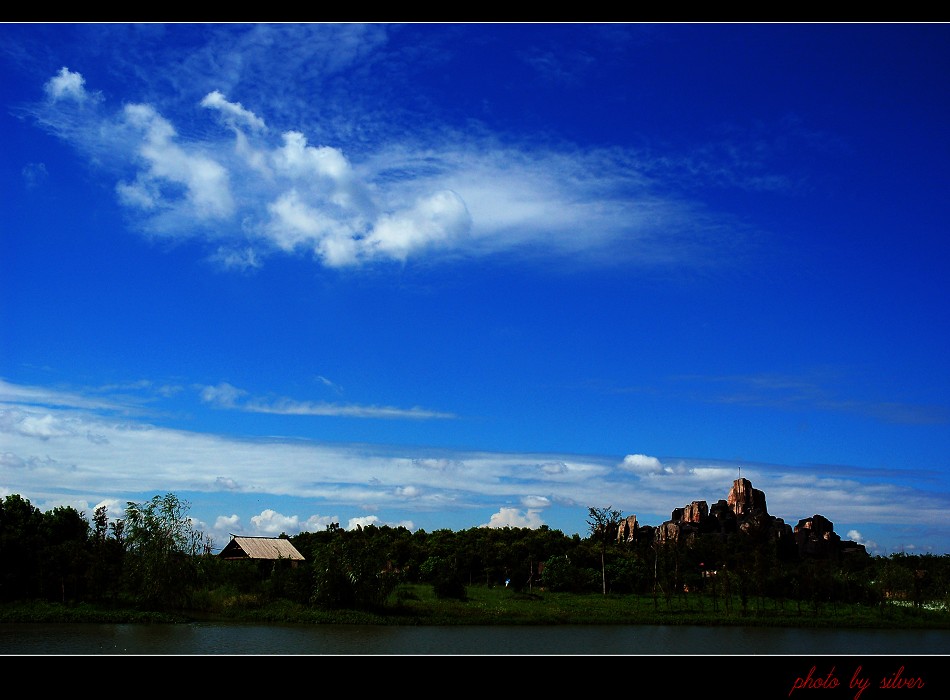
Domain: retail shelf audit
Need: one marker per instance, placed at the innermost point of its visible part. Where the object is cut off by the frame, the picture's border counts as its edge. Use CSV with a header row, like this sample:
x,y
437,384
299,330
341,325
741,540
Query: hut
x,y
262,549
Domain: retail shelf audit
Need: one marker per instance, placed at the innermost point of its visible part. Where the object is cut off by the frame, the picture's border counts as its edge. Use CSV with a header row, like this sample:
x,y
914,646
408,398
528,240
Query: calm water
x,y
244,639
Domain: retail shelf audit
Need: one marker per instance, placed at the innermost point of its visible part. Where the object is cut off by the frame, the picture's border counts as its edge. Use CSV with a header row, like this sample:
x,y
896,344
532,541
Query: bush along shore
x,y
418,604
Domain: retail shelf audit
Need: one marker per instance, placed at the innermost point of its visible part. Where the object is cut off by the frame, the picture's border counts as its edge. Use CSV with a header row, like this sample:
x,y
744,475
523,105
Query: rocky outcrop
x,y
744,510
746,501
695,512
684,524
627,532
630,531
815,537
677,532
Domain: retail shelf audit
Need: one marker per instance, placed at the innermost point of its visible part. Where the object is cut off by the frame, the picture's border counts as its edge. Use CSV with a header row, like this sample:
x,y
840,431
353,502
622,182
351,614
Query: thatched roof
x,y
260,548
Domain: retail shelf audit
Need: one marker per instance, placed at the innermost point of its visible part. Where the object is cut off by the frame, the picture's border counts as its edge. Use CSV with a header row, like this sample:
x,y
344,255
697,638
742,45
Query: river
x,y
296,639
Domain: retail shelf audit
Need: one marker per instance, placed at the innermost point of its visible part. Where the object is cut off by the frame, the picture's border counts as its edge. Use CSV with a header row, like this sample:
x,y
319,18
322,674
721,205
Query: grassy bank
x,y
417,605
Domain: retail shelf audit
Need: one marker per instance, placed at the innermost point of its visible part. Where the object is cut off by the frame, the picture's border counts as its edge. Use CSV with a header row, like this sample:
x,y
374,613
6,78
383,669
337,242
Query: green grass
x,y
418,605
43,611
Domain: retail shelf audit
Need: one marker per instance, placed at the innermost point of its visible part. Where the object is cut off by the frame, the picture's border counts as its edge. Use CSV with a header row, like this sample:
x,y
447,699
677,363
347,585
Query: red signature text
x,y
813,680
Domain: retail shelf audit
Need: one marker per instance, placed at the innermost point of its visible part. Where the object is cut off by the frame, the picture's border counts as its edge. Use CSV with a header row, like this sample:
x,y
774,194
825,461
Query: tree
x,y
64,555
20,542
161,546
353,568
105,573
604,523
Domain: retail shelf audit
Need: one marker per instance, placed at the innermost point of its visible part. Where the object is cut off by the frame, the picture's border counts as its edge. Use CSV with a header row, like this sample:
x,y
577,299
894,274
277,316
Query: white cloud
x,y
535,502
512,517
437,219
48,457
296,223
354,523
115,509
237,259
449,195
554,468
332,385
299,160
272,523
233,113
642,464
224,395
205,181
42,396
67,85
228,524
141,194
855,536
40,426
436,464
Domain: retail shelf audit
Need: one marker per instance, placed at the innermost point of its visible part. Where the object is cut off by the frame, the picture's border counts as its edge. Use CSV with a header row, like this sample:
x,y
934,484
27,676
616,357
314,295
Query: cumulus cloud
x,y
171,168
228,523
642,464
512,517
114,508
270,522
67,85
856,536
357,523
437,219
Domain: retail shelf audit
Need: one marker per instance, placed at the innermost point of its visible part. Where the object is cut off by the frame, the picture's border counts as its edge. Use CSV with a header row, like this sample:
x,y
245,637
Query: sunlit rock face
x,y
627,532
745,500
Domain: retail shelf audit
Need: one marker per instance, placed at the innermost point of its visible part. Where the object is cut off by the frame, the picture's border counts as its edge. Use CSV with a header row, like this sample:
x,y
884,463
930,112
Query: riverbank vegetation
x,y
153,566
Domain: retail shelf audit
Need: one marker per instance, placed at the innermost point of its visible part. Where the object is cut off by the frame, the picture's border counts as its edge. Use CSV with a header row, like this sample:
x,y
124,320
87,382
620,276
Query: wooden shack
x,y
261,549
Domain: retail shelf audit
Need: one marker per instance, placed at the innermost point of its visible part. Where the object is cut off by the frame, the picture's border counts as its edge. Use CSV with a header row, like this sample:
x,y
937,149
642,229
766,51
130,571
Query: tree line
x,y
154,558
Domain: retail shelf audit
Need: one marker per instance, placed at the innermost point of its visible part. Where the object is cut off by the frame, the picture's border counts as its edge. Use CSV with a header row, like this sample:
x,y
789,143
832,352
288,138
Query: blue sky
x,y
454,275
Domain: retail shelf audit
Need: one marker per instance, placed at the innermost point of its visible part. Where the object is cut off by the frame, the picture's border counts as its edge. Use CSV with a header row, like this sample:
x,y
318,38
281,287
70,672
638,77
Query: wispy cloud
x,y
250,193
226,396
42,396
51,451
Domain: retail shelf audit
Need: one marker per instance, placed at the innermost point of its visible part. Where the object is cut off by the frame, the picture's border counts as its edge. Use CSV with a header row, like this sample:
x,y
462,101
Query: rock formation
x,y
816,537
627,532
746,501
744,510
630,531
